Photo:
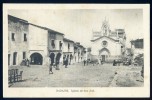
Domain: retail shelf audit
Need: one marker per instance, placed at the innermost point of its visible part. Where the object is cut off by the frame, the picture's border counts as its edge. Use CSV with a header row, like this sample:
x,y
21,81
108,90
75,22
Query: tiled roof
x,y
45,28
25,21
65,39
17,19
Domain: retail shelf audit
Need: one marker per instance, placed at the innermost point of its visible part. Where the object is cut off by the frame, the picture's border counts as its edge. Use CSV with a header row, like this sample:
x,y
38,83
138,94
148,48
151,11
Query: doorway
x,y
36,59
14,58
52,55
103,58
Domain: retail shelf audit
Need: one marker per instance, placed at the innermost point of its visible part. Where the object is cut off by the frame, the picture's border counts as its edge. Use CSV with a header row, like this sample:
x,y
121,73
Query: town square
x,y
77,75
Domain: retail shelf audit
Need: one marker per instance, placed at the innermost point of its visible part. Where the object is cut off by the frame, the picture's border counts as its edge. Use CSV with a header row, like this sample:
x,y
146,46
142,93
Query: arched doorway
x,y
36,59
67,56
58,56
71,57
52,55
64,57
103,54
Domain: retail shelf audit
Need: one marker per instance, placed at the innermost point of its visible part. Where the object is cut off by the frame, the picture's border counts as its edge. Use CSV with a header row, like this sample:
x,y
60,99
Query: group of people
x,y
25,62
65,62
86,62
56,64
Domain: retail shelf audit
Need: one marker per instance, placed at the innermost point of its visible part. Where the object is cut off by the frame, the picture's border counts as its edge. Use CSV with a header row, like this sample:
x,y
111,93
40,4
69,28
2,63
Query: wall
x,y
65,47
113,47
77,55
67,51
38,42
56,38
81,53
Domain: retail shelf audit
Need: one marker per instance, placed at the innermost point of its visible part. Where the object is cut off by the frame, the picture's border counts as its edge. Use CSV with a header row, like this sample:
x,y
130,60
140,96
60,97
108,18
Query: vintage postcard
x,y
76,50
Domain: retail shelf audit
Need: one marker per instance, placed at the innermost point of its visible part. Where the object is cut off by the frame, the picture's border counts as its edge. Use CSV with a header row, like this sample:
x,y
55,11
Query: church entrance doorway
x,y
103,58
103,54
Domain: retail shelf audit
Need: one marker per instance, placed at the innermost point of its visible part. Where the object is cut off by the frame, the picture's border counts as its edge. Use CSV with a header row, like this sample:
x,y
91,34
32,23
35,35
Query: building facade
x,y
68,50
55,45
18,33
38,44
78,52
33,42
108,45
44,44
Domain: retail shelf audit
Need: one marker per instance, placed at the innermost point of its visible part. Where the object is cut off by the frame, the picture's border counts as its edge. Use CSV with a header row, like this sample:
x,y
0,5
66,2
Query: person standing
x,y
52,62
84,62
27,63
114,63
57,64
66,62
50,66
70,60
87,61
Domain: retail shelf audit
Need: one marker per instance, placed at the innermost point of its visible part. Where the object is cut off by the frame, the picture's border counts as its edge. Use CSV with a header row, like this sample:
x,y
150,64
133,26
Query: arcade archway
x,y
58,56
36,59
52,55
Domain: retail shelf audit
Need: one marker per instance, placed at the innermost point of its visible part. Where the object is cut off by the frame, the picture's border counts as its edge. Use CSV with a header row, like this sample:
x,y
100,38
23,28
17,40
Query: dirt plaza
x,y
77,75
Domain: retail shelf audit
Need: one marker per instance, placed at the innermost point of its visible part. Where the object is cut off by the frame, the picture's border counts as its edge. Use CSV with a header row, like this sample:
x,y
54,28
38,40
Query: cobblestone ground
x,y
75,75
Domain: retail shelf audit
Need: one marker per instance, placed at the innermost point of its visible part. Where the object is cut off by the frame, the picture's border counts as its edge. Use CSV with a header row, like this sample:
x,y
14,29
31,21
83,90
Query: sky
x,y
78,24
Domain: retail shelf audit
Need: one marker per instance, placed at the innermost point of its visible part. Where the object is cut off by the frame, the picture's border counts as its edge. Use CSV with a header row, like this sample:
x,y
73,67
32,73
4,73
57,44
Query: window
x,y
52,36
52,43
68,46
60,45
24,55
104,43
25,38
14,58
78,53
13,36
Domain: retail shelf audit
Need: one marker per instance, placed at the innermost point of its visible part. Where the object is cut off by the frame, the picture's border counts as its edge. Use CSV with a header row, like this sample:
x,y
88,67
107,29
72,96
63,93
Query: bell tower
x,y
105,29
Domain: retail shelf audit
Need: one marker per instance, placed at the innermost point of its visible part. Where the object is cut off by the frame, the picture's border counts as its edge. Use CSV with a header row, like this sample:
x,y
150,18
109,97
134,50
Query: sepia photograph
x,y
76,49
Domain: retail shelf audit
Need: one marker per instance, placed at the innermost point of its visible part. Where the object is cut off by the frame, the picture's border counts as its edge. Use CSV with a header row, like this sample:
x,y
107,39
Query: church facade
x,y
108,45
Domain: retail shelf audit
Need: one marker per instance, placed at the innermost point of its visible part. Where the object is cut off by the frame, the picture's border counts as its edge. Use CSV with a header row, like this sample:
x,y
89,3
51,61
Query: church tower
x,y
105,29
